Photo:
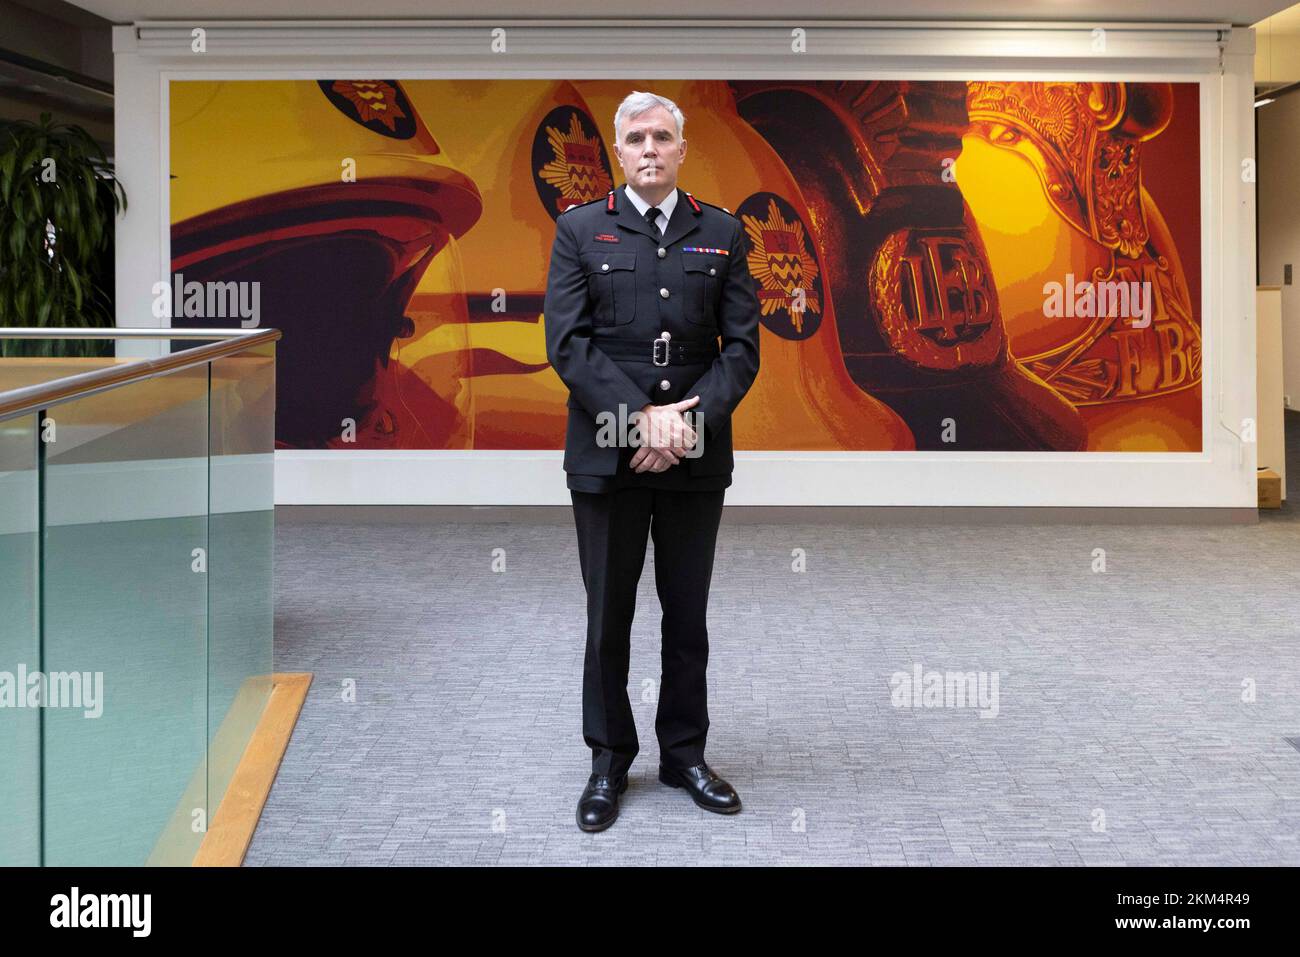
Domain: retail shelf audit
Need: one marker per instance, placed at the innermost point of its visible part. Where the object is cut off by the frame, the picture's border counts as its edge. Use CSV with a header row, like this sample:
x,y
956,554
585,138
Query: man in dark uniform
x,y
642,283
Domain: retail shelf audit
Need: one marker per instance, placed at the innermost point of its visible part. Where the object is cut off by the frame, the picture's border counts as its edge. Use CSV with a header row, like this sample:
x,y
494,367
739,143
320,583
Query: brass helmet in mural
x,y
335,197
919,319
1054,173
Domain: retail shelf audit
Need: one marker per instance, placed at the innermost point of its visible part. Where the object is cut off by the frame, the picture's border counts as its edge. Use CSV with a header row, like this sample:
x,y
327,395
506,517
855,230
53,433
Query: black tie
x,y
651,215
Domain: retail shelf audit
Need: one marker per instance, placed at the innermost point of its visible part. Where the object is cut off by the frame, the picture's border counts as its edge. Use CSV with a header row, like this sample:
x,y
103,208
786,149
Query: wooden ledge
x,y
231,829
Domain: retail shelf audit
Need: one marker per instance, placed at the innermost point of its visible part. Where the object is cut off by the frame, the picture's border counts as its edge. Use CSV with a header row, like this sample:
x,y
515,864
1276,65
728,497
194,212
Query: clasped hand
x,y
665,436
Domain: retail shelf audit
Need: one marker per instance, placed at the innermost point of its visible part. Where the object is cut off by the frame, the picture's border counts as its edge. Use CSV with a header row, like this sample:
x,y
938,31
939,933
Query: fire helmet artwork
x,y
940,265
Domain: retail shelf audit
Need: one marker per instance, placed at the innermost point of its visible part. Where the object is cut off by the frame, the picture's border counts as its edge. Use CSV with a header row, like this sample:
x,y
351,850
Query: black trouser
x,y
611,548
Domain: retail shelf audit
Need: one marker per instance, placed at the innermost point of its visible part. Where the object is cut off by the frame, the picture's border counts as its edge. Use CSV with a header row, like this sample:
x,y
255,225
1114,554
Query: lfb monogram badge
x,y
934,299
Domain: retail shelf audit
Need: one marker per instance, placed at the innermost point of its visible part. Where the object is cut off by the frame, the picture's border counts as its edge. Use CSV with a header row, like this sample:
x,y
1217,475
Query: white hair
x,y
636,103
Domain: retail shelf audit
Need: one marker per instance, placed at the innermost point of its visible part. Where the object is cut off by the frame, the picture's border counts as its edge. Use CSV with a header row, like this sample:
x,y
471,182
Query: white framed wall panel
x,y
150,55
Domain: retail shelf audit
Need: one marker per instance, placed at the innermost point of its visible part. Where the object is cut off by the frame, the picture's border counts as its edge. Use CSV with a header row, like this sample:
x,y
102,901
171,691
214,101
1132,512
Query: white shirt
x,y
665,208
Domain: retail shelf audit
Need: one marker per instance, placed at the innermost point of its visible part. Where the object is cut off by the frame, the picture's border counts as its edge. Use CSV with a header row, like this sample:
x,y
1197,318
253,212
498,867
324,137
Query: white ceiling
x,y
1218,11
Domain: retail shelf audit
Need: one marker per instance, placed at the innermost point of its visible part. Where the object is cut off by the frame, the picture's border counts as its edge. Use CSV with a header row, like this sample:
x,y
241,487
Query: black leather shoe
x,y
598,806
704,786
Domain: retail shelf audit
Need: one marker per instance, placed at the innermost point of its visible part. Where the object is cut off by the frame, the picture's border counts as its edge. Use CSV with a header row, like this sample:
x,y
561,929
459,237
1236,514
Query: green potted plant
x,y
59,200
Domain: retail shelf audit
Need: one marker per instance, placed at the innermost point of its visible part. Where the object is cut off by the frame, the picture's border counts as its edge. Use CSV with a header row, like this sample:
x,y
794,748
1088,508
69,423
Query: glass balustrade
x,y
136,543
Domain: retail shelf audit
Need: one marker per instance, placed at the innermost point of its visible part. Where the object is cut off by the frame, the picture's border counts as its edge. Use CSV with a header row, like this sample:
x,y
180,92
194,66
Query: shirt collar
x,y
666,207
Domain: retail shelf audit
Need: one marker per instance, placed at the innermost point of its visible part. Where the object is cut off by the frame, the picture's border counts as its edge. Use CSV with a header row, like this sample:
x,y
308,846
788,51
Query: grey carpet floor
x,y
1142,712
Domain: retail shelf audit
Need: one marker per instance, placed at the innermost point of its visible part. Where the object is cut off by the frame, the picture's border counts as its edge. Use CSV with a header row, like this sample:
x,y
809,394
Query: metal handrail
x,y
32,398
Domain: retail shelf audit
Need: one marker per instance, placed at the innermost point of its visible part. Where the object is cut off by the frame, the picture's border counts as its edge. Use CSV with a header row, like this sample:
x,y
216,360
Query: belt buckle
x,y
654,352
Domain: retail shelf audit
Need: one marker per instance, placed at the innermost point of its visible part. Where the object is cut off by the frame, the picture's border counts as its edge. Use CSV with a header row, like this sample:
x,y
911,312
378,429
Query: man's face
x,y
649,150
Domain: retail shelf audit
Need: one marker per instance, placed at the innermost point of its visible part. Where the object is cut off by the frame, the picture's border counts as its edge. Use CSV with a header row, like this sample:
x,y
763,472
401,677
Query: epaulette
x,y
600,199
716,206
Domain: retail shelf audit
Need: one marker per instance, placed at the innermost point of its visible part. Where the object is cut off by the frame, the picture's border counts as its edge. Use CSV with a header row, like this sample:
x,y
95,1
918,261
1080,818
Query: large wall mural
x,y
983,266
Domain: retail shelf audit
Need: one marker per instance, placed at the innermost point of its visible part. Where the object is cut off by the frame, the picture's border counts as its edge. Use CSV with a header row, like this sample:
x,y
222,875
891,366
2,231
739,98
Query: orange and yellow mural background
x,y
401,231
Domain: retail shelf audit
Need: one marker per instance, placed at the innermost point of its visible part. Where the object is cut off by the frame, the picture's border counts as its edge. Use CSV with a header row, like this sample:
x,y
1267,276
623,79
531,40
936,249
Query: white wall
x,y
1279,223
1223,475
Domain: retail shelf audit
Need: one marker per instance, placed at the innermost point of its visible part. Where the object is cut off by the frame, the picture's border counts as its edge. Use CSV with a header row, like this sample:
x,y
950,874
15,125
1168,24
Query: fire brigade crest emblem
x,y
783,261
569,162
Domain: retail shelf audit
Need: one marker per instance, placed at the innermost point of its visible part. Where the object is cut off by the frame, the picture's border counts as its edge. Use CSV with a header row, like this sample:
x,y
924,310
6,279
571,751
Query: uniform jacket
x,y
611,275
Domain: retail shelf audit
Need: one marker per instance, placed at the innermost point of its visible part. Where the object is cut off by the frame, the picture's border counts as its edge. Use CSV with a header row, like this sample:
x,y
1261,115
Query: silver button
x,y
665,385
663,293
665,335
712,270
604,265
662,252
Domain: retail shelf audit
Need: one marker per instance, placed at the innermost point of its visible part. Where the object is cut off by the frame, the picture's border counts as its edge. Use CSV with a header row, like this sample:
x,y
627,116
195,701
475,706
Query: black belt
x,y
660,352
